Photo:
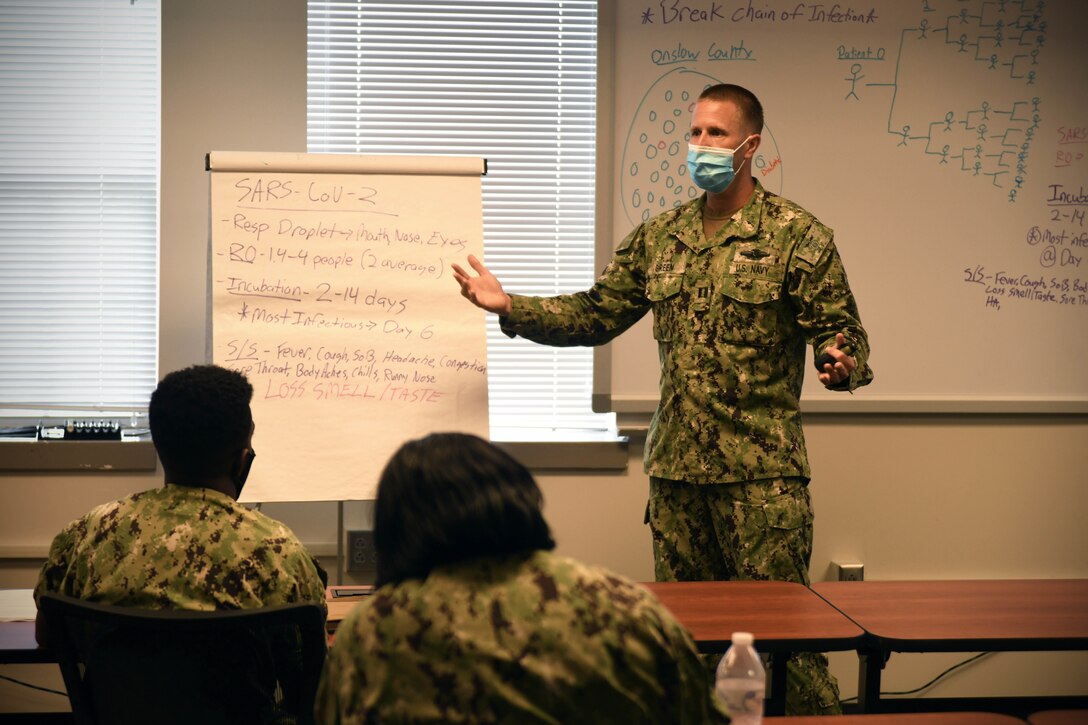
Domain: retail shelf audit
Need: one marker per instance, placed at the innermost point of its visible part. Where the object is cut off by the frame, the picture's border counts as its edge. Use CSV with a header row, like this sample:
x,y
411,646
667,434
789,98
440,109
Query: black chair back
x,y
238,666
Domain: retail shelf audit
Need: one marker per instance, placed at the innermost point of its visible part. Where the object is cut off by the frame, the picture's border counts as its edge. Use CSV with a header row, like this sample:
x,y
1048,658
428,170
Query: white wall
x,y
925,497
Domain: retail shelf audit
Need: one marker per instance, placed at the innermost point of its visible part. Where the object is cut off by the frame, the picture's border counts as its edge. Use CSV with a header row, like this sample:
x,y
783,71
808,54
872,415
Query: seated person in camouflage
x,y
189,544
476,620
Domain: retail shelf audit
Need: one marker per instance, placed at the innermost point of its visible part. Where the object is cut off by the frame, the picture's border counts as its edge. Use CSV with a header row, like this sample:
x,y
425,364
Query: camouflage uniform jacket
x,y
178,547
731,315
525,639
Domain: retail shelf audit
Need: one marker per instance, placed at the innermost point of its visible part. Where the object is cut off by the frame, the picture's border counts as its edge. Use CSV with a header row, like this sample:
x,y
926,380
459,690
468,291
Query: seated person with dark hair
x,y
475,620
189,544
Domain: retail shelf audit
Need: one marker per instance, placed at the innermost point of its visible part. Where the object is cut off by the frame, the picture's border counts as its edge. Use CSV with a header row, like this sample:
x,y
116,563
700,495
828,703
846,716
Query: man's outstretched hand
x,y
484,290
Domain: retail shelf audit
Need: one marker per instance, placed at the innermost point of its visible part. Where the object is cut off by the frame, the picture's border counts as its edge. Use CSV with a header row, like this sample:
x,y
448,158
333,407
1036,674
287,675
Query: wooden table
x,y
18,646
783,617
778,614
340,600
1058,717
903,718
958,616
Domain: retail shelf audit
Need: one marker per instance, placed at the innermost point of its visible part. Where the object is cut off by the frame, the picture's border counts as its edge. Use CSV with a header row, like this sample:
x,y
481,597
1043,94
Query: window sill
x,y
550,455
606,452
84,456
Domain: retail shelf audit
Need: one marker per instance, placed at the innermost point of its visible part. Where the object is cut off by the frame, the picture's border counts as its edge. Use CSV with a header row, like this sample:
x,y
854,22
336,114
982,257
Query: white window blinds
x,y
79,149
514,82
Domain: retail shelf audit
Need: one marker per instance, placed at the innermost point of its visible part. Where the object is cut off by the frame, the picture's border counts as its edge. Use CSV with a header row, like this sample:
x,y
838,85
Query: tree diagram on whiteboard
x,y
989,137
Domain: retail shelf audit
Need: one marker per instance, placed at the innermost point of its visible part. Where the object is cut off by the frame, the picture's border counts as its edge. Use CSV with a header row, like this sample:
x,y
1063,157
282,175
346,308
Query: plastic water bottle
x,y
741,681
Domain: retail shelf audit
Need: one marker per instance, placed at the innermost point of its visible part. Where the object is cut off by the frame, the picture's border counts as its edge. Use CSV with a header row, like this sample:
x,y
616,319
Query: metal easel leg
x,y
340,574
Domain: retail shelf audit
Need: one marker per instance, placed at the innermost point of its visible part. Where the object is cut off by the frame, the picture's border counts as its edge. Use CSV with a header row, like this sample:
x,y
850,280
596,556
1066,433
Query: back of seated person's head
x,y
200,419
451,497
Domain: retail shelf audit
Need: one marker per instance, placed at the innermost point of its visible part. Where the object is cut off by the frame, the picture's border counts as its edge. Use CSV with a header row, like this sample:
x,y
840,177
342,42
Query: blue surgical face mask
x,y
712,168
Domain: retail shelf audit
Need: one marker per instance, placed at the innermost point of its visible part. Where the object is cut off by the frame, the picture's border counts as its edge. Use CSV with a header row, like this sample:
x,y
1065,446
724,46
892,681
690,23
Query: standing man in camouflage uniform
x,y
189,544
476,620
738,281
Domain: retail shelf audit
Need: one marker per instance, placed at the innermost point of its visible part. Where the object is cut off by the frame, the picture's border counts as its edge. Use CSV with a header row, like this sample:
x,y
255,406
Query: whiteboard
x,y
944,141
330,289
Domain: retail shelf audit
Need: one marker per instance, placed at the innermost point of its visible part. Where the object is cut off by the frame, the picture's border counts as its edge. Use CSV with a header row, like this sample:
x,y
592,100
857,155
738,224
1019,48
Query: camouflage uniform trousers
x,y
758,530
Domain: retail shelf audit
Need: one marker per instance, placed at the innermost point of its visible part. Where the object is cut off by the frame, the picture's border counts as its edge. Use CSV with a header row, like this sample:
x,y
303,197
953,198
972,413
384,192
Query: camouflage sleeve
x,y
616,301
53,572
824,303
342,688
308,577
312,582
286,646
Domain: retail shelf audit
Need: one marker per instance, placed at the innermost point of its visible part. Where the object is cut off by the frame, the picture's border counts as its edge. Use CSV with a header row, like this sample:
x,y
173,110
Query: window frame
x,y
587,425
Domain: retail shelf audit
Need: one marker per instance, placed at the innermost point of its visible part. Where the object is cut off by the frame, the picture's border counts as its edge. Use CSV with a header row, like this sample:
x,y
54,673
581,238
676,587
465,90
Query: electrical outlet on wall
x,y
850,571
362,556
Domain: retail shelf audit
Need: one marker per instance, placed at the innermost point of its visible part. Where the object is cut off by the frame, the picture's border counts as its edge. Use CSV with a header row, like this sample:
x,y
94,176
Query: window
x,y
79,158
514,82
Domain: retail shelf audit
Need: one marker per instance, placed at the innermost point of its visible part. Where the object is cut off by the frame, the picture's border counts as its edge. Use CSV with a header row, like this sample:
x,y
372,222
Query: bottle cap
x,y
743,639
